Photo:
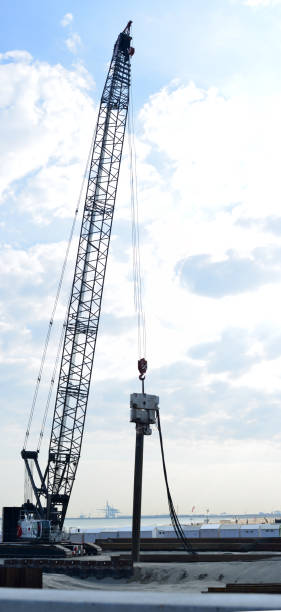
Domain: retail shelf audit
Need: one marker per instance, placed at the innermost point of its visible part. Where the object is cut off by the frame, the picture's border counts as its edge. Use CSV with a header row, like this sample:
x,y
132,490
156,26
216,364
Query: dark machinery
x,y
56,481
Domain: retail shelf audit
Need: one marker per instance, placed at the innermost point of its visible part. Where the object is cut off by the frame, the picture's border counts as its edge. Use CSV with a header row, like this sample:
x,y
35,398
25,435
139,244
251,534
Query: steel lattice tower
x,y
86,294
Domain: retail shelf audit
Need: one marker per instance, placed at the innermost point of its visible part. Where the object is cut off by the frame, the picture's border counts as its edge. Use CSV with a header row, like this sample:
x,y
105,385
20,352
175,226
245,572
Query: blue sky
x,y
207,94
206,41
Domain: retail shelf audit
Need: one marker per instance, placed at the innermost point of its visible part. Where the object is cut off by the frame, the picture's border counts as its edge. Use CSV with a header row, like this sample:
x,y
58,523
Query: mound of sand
x,y
193,577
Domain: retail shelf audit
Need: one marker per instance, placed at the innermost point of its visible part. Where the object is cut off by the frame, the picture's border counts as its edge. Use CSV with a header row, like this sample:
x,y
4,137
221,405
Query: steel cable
x,y
47,340
138,303
137,275
174,517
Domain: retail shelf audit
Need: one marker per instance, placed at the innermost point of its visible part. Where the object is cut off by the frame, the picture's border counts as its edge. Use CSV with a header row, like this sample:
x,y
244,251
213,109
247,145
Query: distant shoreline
x,y
167,516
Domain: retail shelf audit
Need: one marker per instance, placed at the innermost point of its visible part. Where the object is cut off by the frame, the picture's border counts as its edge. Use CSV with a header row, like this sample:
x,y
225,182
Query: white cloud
x,y
211,138
32,265
17,56
208,177
45,116
73,43
223,151
67,19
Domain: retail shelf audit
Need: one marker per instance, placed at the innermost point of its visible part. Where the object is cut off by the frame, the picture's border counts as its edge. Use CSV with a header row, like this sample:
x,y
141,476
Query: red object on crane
x,y
142,367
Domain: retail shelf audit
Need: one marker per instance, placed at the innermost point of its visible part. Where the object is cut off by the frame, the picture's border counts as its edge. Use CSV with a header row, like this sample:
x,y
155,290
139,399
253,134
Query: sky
x,y
206,100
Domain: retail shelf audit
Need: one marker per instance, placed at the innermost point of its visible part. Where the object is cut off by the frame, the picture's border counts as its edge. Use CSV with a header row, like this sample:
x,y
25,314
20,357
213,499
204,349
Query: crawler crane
x,y
53,492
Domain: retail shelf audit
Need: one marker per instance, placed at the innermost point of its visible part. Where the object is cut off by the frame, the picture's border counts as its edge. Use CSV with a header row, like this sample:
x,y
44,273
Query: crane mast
x,y
53,493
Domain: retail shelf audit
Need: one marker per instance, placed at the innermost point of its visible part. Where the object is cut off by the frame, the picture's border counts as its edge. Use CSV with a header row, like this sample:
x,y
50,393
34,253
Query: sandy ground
x,y
169,577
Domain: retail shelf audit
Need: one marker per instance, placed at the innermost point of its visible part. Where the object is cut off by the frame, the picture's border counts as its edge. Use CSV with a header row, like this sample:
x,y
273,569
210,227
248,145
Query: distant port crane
x,y
53,492
109,511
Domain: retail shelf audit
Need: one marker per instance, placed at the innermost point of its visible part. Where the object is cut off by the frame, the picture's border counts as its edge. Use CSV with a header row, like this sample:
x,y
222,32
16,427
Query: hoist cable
x,y
47,340
174,517
57,359
138,303
49,396
137,276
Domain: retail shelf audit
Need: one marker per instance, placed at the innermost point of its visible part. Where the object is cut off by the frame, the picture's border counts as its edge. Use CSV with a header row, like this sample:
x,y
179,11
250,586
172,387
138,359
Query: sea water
x,y
153,521
104,523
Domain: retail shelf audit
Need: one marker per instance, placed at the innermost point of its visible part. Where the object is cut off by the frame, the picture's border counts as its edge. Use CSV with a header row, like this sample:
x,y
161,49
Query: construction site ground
x,y
188,577
171,569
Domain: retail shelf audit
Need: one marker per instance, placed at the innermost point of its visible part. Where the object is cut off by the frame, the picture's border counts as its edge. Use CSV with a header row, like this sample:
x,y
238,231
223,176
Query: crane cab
x,y
34,529
20,524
